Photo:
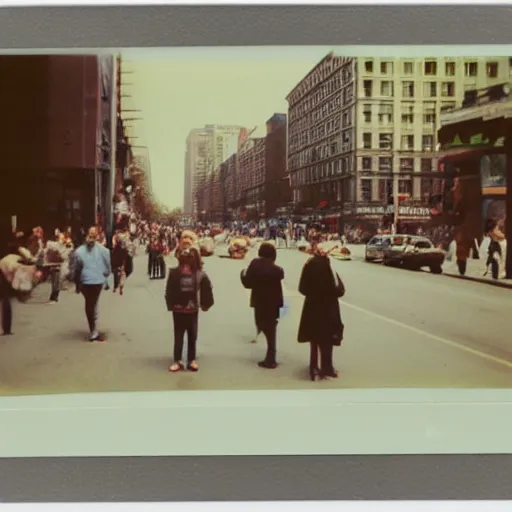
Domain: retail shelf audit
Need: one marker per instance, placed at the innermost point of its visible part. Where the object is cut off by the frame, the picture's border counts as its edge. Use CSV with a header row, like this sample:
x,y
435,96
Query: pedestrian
x,y
264,278
320,323
188,290
92,269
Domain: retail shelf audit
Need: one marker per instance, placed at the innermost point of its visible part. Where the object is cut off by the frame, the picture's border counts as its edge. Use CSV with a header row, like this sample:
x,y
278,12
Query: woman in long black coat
x,y
320,323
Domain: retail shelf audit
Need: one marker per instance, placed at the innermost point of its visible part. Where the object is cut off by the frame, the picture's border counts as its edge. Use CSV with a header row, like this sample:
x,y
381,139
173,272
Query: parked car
x,y
412,253
374,251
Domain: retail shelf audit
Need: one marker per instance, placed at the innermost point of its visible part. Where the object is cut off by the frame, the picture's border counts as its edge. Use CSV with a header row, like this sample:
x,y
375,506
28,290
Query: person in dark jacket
x,y
320,323
263,277
188,289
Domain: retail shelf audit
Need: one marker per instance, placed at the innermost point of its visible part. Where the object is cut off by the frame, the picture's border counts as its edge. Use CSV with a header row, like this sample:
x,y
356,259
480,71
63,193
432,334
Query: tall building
x,y
56,111
206,149
356,124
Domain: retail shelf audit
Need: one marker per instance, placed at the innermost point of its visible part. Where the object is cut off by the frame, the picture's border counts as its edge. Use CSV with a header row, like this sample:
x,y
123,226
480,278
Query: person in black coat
x,y
320,323
263,277
188,290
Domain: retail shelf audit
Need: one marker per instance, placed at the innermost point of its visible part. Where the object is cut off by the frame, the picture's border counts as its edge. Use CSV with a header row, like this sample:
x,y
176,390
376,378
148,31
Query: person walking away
x,y
188,289
55,257
264,278
320,323
92,269
122,264
494,252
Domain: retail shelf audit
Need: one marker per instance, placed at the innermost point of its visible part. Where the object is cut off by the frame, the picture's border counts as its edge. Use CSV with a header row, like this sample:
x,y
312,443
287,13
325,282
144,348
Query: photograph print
x,y
205,219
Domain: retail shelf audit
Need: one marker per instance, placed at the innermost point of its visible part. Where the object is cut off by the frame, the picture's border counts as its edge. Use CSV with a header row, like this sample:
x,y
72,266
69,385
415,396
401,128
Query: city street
x,y
403,329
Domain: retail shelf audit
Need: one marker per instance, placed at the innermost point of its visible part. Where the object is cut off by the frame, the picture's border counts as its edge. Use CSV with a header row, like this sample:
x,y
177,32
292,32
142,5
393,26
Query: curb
x,y
491,282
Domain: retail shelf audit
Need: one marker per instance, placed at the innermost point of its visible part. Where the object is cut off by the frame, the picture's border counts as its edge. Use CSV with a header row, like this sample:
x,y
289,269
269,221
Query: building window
x,y
448,89
408,89
367,141
386,68
385,164
430,89
366,190
447,106
367,113
386,89
368,88
385,114
368,66
429,114
408,68
407,114
427,143
385,141
430,68
449,69
470,68
405,187
367,163
492,69
426,165
385,189
427,185
407,164
407,142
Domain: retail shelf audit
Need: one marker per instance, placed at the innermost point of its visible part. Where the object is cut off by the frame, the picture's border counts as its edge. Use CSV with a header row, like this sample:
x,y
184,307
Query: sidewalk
x,y
475,272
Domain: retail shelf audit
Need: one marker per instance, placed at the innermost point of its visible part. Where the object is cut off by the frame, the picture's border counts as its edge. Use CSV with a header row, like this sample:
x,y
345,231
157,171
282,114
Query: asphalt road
x,y
403,329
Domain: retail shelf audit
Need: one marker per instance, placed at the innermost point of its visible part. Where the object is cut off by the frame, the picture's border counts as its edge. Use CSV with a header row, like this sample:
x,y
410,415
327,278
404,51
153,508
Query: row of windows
x,y
319,75
326,110
385,189
407,142
433,68
430,89
320,172
330,87
324,151
385,164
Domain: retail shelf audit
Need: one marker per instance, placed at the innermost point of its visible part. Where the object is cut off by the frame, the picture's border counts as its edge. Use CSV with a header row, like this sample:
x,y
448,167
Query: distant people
x,y
263,277
92,269
188,290
320,324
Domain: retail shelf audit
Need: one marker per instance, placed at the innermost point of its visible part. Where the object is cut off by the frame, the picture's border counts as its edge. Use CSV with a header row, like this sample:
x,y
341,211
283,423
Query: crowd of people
x,y
86,261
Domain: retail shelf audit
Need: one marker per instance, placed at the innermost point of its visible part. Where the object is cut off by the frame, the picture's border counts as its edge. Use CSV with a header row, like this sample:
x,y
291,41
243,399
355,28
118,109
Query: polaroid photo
x,y
225,239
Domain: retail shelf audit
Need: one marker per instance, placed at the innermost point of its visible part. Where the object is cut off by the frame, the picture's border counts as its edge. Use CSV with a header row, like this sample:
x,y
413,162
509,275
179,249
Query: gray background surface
x,y
254,478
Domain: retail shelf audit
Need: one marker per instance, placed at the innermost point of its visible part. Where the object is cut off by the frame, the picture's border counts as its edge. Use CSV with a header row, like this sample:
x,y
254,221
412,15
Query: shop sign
x,y
370,210
413,211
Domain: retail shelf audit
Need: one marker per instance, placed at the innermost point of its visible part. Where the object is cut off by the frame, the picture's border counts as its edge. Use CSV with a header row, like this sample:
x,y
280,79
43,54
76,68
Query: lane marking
x,y
434,337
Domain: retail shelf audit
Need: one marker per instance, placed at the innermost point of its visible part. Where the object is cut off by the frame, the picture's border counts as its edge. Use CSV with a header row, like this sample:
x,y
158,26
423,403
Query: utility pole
x,y
109,205
507,121
396,202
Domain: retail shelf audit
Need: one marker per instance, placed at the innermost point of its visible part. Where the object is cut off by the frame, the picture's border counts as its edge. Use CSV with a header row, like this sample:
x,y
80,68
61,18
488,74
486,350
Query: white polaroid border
x,y
267,506
383,421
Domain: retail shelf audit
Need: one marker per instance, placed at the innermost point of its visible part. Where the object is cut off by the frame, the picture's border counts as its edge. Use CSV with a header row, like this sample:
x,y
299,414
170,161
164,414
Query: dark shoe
x,y
314,373
268,365
332,373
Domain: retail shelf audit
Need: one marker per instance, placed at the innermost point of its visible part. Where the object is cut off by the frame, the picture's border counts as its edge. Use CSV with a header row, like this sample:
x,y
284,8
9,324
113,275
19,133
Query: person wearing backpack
x,y
188,290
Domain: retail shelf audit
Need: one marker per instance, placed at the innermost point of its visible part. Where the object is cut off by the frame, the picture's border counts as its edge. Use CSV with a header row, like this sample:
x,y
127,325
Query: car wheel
x,y
436,269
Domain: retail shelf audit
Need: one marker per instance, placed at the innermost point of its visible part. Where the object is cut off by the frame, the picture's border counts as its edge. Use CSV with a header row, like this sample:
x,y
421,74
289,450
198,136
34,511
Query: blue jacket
x,y
92,265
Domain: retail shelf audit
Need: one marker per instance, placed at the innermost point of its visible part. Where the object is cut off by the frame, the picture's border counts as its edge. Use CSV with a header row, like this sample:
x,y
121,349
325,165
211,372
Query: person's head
x,y
190,258
92,236
188,239
267,251
38,232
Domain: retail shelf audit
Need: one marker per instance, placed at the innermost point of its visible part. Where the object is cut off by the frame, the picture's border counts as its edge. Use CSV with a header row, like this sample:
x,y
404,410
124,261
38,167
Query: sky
x,y
178,89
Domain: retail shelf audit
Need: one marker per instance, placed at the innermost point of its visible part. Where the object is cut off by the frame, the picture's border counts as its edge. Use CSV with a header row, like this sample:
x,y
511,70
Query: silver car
x,y
375,248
